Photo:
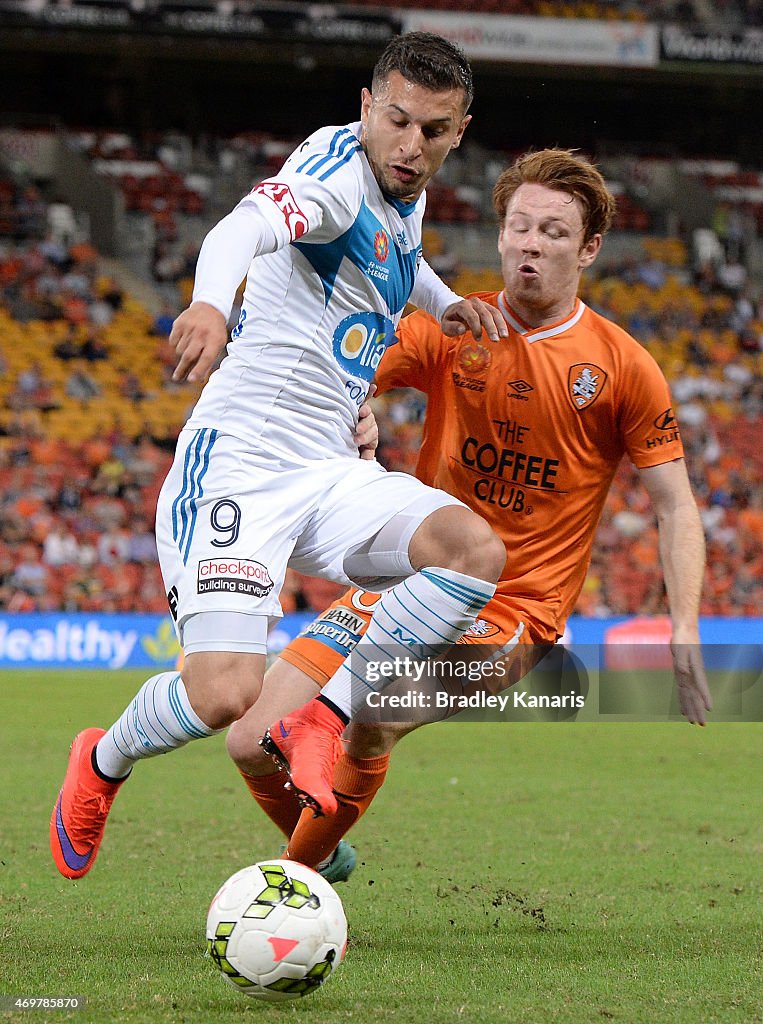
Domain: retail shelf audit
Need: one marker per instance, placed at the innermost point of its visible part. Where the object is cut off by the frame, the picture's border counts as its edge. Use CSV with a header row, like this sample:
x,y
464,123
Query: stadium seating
x,y
89,417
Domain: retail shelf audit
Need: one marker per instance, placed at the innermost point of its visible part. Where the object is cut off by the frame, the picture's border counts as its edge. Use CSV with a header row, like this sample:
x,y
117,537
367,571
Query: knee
x,y
456,538
243,745
221,689
485,551
226,709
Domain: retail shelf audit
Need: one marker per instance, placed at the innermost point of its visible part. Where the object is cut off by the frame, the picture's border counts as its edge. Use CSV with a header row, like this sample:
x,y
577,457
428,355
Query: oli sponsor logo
x,y
360,341
234,576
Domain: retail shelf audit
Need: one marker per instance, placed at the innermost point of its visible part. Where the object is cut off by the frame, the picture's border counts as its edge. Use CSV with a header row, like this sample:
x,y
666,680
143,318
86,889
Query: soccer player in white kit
x,y
266,473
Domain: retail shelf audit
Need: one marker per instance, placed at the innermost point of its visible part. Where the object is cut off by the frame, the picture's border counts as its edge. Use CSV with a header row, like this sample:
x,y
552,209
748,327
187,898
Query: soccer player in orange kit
x,y
528,431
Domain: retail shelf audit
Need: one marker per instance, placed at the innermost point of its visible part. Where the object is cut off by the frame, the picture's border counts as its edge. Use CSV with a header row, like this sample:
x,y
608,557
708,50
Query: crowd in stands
x,y
89,416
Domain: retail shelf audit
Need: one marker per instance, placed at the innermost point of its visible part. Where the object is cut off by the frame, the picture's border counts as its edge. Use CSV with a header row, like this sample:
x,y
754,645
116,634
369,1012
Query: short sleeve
x,y
646,417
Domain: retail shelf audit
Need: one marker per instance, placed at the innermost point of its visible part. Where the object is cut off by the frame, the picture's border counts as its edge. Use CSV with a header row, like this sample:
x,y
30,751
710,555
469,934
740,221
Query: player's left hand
x,y
693,692
473,315
367,431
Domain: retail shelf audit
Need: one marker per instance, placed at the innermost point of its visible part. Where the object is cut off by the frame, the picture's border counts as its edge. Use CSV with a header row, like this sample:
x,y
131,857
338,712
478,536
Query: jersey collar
x,y
532,334
404,209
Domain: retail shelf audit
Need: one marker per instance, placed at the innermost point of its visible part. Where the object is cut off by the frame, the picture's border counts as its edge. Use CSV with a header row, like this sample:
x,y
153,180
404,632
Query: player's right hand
x,y
473,315
198,336
691,682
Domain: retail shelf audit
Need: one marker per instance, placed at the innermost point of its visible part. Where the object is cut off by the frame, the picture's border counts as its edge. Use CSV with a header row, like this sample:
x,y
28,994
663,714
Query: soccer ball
x,y
276,930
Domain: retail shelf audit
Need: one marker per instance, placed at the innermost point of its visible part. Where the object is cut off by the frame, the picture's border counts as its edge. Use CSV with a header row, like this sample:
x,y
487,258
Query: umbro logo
x,y
519,389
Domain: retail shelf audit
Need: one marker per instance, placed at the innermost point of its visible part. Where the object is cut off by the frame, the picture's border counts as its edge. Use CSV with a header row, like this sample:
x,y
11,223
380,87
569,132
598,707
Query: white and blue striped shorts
x,y
230,521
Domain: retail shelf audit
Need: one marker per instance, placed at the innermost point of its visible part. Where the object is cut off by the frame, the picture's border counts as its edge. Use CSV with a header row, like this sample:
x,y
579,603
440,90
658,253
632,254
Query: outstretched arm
x,y
456,315
682,553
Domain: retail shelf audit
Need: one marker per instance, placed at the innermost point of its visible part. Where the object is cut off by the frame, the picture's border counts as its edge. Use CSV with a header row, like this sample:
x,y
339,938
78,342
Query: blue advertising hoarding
x,y
114,641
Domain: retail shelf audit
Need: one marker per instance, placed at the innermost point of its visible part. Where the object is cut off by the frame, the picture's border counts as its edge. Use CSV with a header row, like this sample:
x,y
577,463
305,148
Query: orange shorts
x,y
504,623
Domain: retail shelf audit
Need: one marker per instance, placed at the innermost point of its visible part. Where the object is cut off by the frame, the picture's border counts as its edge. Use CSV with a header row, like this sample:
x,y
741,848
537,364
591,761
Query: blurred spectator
x,y
163,321
93,349
31,215
81,385
732,276
60,547
62,224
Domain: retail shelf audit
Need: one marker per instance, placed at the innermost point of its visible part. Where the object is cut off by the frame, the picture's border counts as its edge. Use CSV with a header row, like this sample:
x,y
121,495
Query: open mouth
x,y
406,174
527,270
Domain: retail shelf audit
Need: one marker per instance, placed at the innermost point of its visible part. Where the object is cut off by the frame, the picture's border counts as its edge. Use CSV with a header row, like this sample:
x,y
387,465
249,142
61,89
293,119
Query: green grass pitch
x,y
518,873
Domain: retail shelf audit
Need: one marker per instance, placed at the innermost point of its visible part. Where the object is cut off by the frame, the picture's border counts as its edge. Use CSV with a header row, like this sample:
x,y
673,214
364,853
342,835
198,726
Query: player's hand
x,y
198,336
473,315
693,692
367,431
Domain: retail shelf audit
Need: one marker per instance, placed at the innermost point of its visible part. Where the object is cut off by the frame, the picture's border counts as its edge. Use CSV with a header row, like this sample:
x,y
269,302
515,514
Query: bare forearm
x,y
682,552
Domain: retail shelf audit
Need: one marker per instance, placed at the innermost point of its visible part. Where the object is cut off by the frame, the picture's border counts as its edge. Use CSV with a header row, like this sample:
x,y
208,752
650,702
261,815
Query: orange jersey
x,y
528,431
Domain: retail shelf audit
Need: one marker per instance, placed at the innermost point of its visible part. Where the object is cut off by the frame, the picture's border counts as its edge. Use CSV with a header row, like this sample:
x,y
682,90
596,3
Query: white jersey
x,y
335,265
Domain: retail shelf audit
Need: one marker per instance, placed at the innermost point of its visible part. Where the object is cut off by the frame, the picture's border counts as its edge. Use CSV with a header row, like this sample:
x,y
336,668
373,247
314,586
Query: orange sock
x,y
280,805
356,782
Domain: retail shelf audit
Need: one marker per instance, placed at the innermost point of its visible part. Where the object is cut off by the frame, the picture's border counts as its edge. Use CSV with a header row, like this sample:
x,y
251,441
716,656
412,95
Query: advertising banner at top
x,y
311,23
680,43
542,40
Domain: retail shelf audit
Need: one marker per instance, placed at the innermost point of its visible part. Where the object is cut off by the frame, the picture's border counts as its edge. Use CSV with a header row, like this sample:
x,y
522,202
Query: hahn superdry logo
x,y
585,382
667,425
296,221
381,246
338,628
234,575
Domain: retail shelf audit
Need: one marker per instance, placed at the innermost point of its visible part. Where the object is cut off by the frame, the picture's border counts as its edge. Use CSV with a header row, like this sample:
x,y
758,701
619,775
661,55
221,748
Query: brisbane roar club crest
x,y
585,382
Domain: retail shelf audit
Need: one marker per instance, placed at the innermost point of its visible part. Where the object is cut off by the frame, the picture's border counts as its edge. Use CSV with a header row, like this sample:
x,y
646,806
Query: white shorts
x,y
229,522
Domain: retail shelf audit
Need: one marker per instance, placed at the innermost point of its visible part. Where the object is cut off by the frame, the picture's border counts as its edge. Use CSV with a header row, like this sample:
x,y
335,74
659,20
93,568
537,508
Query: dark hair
x,y
565,171
427,60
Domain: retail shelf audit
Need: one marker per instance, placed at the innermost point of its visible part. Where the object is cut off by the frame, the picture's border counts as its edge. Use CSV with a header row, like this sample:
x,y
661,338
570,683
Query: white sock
x,y
158,719
419,618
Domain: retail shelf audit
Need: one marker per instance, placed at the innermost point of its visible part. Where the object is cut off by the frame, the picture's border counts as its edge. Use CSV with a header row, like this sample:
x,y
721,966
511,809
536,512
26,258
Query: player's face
x,y
542,253
407,133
